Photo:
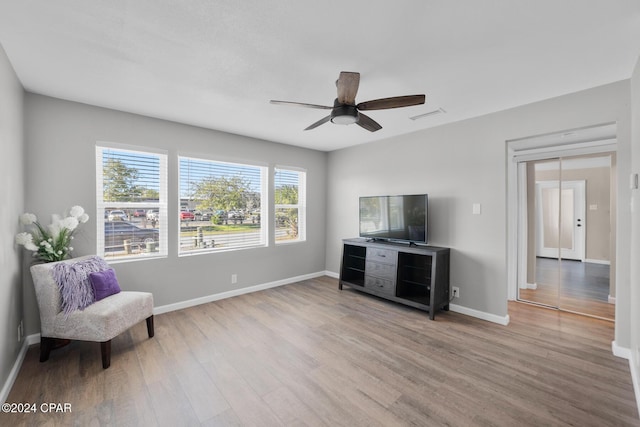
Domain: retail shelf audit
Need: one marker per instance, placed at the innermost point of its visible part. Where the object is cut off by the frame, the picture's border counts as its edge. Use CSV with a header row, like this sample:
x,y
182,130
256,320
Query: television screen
x,y
394,217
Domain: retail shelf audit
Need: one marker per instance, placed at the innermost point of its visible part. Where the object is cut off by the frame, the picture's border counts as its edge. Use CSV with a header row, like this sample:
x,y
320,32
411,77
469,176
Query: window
x,y
131,195
221,205
290,204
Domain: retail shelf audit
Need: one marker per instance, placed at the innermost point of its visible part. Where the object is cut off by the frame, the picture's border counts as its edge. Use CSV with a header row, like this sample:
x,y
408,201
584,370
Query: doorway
x,y
566,260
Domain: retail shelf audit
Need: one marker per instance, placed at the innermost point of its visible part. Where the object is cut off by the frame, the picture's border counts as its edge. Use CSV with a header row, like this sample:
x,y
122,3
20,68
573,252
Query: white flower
x,y
27,218
76,211
24,238
56,226
70,223
51,243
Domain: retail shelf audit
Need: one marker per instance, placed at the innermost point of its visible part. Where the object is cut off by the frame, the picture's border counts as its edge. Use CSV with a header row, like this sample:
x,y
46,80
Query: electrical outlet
x,y
234,278
456,291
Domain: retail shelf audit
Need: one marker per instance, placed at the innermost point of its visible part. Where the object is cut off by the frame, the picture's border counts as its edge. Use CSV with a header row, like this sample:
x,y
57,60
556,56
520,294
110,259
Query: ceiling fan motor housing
x,y
343,114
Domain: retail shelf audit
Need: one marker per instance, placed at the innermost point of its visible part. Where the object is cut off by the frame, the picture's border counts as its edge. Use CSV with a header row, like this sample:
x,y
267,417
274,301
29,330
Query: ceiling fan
x,y
345,111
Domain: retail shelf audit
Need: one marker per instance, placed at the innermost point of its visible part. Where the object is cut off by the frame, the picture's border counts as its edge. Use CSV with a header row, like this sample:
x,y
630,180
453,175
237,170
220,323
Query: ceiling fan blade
x,y
300,104
394,102
319,122
347,84
368,123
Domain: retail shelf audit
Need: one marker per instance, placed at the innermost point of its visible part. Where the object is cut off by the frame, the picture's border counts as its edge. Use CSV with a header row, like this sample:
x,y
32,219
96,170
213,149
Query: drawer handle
x,y
382,255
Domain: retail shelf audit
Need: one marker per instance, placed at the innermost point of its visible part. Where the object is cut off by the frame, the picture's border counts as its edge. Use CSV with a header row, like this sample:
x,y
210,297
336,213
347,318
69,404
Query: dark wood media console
x,y
417,276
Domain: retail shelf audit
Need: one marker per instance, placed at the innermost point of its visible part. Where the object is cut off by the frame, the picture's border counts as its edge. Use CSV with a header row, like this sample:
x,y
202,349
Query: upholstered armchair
x,y
99,321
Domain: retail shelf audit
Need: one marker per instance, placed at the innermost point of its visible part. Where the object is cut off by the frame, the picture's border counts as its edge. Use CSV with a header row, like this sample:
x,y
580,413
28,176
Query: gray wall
x,y
464,163
11,206
60,144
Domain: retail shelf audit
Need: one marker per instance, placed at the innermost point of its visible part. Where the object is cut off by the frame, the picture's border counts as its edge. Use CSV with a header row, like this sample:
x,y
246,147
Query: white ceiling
x,y
216,64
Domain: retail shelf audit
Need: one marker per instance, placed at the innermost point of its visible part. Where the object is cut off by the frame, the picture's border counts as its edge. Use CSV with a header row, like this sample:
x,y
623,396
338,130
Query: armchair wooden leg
x,y
105,348
45,348
150,330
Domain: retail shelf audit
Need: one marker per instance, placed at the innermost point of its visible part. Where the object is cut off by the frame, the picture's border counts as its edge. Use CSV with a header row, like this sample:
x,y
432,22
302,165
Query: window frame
x,y
161,205
301,206
263,169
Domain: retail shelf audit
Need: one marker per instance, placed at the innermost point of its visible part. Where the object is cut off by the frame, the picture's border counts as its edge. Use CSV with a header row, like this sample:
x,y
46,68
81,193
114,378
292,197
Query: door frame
x,y
519,151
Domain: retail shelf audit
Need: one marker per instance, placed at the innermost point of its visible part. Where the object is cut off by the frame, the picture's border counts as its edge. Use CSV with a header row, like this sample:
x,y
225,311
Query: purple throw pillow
x,y
104,283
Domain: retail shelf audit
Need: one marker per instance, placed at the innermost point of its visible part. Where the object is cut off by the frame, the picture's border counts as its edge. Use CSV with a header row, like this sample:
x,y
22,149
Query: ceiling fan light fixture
x,y
344,120
344,114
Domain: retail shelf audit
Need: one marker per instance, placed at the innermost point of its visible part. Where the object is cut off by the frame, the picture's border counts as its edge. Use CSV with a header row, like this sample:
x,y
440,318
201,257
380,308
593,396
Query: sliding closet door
x,y
560,273
544,223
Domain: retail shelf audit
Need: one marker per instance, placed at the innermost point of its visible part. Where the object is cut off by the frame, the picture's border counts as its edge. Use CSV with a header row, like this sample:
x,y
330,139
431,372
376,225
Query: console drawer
x,y
379,285
383,271
382,255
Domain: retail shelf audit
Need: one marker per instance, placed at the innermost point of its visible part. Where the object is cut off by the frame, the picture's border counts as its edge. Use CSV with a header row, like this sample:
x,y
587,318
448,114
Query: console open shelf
x,y
413,275
353,264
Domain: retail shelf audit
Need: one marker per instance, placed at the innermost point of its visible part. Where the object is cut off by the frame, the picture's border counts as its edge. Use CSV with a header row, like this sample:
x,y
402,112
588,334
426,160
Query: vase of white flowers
x,y
53,242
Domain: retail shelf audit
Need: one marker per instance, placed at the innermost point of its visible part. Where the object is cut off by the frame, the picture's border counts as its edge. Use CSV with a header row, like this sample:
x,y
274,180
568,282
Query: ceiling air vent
x,y
430,113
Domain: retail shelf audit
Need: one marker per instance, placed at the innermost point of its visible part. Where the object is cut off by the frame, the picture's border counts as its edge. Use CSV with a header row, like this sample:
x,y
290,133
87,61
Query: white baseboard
x,y
633,363
228,294
598,261
618,351
332,274
611,300
501,320
13,374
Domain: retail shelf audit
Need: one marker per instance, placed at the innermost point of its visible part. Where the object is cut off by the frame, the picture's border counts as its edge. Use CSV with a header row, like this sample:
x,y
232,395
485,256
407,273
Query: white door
x,y
560,218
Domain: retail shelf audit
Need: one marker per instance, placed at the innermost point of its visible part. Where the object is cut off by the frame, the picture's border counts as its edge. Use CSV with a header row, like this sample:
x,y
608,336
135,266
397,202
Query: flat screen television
x,y
396,218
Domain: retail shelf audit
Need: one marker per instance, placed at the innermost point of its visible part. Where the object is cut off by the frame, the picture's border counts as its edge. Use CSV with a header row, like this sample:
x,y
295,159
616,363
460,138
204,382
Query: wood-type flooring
x,y
580,287
309,354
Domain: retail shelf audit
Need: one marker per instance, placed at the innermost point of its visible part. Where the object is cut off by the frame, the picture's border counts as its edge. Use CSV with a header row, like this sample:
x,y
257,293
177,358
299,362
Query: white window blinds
x,y
221,205
290,205
131,195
